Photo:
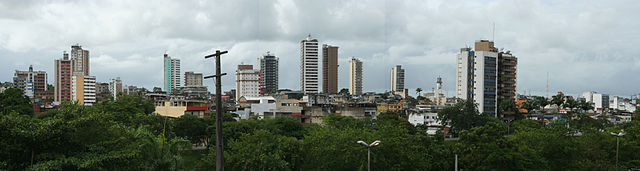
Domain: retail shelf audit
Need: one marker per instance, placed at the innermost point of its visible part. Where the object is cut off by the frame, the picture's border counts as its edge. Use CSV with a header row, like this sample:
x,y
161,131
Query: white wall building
x,y
476,76
247,82
600,102
265,109
309,65
464,75
115,87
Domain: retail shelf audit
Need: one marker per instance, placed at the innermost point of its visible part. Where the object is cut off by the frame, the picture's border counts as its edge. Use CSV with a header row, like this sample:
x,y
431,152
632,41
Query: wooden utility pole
x,y
219,144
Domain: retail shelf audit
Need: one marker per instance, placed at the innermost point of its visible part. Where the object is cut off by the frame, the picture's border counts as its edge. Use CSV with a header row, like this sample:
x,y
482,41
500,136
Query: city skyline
x,y
580,48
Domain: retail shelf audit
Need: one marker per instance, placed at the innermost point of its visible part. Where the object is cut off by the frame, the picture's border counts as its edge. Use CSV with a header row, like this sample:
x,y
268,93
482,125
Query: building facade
x,y
31,82
192,79
268,73
355,76
397,80
477,76
507,76
309,65
102,91
62,84
464,74
171,73
83,90
247,82
80,60
329,69
115,87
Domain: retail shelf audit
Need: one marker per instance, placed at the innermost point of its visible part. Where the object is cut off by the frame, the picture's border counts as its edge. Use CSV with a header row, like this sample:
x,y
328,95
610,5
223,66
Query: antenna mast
x,y
493,35
547,84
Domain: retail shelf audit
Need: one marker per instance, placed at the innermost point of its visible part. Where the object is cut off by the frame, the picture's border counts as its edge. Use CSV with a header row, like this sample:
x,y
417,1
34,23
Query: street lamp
x,y
375,143
618,135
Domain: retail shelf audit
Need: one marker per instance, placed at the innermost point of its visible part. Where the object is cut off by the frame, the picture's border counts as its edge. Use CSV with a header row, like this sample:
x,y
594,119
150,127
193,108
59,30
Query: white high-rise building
x,y
247,82
355,76
476,76
115,87
309,65
171,73
397,80
464,74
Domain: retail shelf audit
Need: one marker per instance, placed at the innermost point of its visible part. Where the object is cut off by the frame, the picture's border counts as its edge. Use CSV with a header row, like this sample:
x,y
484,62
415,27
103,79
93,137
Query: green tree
x,y
418,90
13,99
191,127
263,150
344,91
558,100
158,152
463,115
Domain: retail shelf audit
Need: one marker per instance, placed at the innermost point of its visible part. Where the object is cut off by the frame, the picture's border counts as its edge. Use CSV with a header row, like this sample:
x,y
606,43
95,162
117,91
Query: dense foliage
x,y
125,135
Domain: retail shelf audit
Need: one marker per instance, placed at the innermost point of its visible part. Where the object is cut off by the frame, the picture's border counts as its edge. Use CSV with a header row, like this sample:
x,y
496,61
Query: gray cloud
x,y
586,45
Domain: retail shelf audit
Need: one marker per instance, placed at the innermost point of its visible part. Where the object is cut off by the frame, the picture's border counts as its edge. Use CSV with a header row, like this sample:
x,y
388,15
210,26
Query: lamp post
x,y
375,143
618,135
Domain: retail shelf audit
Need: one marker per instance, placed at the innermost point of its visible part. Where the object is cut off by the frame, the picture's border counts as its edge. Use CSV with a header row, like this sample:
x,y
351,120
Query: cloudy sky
x,y
583,45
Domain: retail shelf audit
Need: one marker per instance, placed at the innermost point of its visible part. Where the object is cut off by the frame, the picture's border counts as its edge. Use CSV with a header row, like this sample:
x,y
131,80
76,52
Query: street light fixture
x,y
375,143
618,135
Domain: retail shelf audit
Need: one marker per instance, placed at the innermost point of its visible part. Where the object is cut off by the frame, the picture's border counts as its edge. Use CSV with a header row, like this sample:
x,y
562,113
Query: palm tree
x,y
160,154
418,90
558,100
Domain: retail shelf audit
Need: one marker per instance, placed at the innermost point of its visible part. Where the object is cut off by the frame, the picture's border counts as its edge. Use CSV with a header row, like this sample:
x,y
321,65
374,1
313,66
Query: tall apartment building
x,y
192,79
63,72
75,65
31,82
83,90
476,76
397,80
80,60
171,73
115,87
268,73
247,82
329,69
355,76
309,65
507,66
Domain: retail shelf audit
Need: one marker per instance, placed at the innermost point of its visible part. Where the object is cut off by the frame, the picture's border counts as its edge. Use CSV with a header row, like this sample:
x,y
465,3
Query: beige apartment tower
x,y
83,90
355,76
192,79
329,69
80,58
247,82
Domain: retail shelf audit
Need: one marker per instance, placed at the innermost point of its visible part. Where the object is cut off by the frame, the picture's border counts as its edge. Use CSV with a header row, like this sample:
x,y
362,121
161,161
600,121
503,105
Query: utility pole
x,y
218,76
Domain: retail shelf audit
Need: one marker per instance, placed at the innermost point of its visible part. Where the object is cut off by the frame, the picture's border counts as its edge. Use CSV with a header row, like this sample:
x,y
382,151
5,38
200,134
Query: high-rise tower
x,y
397,80
309,65
63,72
329,69
268,73
247,82
171,73
355,76
80,60
477,76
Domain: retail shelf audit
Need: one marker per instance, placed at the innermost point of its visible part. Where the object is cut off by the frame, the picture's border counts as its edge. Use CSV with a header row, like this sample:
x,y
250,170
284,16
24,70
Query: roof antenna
x,y
493,36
